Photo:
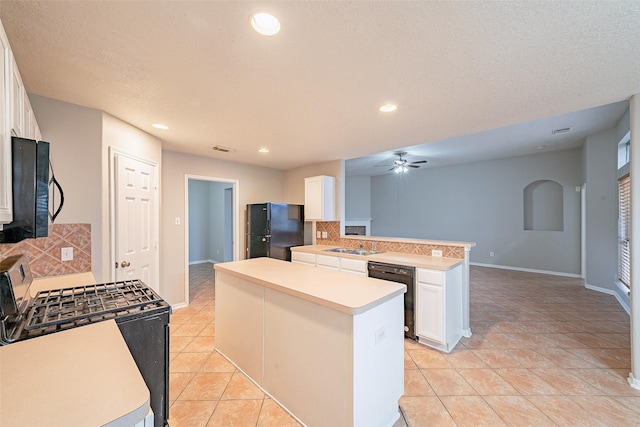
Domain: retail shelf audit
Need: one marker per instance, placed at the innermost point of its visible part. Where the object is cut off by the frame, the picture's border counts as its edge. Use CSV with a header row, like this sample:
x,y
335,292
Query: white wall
x,y
255,185
482,202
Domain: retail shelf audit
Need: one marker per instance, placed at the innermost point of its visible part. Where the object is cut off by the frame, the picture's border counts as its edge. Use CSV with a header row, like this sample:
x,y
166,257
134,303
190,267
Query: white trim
x,y
633,382
607,291
529,270
179,306
236,222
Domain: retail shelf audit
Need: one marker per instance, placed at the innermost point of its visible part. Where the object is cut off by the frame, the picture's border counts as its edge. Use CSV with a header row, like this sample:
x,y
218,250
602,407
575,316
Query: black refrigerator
x,y
273,228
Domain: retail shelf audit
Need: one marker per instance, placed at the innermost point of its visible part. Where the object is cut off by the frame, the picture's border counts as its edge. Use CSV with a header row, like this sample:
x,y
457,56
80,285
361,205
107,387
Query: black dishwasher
x,y
399,274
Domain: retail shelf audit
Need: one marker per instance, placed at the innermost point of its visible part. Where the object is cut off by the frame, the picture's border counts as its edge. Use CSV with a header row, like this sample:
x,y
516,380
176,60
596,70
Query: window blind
x,y
624,229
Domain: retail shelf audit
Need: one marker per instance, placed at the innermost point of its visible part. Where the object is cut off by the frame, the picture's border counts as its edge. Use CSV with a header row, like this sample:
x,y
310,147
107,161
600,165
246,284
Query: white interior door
x,y
135,220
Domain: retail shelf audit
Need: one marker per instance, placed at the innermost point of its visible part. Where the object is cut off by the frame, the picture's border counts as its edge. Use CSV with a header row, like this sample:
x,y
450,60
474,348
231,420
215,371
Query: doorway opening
x,y
210,229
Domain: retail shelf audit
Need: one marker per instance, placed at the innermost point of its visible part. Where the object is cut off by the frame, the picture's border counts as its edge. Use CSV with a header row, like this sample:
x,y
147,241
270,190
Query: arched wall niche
x,y
543,206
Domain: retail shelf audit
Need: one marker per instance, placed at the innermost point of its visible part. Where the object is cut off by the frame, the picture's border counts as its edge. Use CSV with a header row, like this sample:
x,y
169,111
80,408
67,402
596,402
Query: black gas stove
x,y
141,315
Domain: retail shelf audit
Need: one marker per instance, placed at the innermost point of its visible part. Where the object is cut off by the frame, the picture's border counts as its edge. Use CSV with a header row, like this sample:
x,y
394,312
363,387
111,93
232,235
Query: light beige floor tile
x,y
607,410
425,412
564,411
217,363
177,383
188,362
200,344
429,358
529,358
526,382
496,358
567,381
415,384
464,358
447,382
518,411
191,413
206,386
236,413
188,329
487,382
272,415
240,387
471,411
177,344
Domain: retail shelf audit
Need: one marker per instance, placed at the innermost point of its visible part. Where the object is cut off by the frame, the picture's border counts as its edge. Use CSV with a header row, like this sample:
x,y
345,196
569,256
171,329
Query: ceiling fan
x,y
402,165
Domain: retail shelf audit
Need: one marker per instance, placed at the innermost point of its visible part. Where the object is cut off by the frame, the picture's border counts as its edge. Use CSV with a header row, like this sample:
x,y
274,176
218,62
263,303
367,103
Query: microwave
x,y
30,184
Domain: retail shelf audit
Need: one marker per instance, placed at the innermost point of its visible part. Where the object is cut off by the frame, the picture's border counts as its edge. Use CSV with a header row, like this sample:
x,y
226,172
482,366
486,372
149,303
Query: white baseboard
x,y
528,270
178,306
623,303
633,382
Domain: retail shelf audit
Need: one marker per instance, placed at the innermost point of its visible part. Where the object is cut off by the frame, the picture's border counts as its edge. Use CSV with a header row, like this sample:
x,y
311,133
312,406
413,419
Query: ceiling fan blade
x,y
419,161
413,166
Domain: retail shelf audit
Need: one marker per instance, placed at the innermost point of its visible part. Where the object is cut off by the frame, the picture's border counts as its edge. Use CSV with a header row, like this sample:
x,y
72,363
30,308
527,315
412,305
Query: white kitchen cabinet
x,y
353,266
303,258
328,262
6,209
16,96
439,307
319,198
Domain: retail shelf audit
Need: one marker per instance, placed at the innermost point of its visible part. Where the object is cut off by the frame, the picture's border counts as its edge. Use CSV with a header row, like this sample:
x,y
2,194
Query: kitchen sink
x,y
353,251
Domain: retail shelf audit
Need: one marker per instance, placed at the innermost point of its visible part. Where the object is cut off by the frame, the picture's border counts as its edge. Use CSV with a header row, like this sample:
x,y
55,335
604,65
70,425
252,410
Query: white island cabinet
x,y
439,307
327,346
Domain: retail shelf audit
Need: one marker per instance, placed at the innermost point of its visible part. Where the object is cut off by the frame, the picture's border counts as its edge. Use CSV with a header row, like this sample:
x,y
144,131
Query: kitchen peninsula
x,y
328,346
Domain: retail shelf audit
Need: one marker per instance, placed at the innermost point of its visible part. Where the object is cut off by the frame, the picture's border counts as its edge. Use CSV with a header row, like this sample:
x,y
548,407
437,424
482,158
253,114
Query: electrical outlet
x,y
381,334
66,254
435,252
318,234
177,220
491,254
324,234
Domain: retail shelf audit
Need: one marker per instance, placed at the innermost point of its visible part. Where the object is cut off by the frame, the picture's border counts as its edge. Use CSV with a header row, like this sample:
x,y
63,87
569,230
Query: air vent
x,y
559,131
223,149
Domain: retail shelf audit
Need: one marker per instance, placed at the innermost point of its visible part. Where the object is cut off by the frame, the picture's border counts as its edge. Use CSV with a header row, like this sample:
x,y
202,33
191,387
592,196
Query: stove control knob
x,y
124,264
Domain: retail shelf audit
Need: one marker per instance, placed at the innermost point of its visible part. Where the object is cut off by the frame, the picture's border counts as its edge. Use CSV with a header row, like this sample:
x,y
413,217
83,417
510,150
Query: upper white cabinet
x,y
16,119
319,198
6,209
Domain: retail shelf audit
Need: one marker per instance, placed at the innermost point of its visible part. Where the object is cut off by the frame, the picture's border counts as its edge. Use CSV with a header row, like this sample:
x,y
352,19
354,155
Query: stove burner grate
x,y
70,307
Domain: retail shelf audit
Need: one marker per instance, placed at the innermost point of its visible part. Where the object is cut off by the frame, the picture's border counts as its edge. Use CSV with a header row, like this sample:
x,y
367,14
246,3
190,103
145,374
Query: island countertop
x,y
411,260
80,377
342,292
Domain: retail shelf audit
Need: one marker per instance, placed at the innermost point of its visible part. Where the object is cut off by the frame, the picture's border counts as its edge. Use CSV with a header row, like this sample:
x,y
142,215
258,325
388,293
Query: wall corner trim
x,y
624,305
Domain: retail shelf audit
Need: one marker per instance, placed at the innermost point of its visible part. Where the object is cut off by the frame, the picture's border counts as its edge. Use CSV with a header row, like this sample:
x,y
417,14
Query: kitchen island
x,y
79,377
328,346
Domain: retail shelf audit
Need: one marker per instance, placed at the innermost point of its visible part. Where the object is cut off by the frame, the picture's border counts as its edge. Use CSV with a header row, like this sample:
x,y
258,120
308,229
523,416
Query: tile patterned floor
x,y
545,351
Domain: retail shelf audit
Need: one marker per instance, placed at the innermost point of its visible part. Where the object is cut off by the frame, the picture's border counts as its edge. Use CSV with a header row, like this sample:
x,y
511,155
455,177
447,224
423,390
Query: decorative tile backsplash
x,y
333,238
44,253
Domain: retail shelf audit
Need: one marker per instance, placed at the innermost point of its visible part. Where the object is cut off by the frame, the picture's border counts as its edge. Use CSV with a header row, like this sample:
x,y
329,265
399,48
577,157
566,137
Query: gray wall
x,y
482,202
206,221
357,190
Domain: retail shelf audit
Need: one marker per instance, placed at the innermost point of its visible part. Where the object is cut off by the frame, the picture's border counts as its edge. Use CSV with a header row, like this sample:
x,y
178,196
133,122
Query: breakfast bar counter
x,y
328,346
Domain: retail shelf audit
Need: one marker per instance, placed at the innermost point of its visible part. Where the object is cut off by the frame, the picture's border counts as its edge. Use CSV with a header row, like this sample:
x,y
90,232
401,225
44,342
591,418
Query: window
x,y
624,226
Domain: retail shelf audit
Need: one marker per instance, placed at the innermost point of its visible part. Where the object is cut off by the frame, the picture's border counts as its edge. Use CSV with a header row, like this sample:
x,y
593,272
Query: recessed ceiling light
x,y
540,147
387,108
160,126
263,150
265,24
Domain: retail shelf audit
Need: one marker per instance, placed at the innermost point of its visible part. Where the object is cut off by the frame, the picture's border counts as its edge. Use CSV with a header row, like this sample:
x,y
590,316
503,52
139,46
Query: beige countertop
x,y
419,261
411,240
58,282
80,377
344,292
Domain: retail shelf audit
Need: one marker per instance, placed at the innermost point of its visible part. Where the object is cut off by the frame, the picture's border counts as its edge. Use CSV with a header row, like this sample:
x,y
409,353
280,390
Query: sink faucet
x,y
361,245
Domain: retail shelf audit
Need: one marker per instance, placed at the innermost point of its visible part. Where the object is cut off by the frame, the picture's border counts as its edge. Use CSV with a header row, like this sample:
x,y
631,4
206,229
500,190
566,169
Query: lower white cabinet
x,y
439,307
303,258
331,262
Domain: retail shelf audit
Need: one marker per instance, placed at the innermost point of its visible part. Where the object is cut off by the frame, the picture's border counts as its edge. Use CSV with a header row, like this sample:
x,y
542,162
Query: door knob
x,y
125,264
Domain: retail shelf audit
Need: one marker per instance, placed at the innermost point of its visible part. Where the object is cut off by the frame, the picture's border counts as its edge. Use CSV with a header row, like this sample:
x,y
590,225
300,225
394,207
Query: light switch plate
x,y
436,252
318,234
324,234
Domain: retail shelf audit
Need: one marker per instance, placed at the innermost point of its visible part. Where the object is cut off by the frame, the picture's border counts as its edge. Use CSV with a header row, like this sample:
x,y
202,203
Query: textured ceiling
x,y
311,93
